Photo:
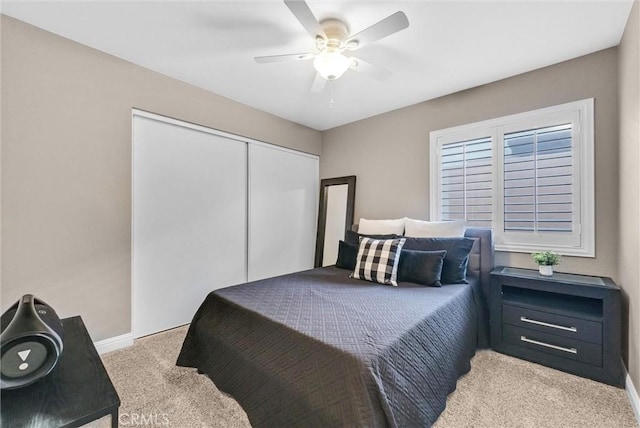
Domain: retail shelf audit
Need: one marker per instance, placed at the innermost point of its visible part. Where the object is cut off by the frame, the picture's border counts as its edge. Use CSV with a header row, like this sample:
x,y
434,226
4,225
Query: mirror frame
x,y
325,183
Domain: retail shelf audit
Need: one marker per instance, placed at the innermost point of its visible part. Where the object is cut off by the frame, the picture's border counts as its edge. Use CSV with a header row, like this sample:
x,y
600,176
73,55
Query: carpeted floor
x,y
499,391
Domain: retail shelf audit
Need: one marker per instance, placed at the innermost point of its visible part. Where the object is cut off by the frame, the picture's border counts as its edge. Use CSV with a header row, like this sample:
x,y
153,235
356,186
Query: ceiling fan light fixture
x,y
331,64
332,37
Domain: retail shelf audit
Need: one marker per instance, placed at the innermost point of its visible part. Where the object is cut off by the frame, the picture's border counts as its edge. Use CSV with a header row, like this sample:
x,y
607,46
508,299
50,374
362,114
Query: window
x,y
528,176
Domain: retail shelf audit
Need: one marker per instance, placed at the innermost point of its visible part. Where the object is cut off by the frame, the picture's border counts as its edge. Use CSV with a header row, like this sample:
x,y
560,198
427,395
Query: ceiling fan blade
x,y
280,58
302,12
389,25
319,83
374,71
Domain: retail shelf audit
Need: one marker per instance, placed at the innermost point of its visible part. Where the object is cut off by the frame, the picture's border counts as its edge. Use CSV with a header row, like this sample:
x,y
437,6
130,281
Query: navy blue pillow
x,y
347,255
421,267
454,268
354,237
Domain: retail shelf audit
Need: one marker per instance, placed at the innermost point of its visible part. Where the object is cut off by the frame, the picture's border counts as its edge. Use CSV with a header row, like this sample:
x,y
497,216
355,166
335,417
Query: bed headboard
x,y
479,268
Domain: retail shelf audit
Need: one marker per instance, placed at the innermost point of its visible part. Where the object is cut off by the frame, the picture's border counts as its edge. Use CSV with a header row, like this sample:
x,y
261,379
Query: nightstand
x,y
76,392
565,321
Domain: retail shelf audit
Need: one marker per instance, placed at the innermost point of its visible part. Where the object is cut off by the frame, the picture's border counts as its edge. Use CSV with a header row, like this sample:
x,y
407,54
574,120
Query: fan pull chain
x,y
331,101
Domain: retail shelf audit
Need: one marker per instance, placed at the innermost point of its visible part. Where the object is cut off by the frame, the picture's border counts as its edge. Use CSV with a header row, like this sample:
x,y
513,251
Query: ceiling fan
x,y
332,40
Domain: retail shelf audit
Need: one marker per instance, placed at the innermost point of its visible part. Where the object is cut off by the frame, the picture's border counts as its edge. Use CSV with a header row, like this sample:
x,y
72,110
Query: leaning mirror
x,y
335,216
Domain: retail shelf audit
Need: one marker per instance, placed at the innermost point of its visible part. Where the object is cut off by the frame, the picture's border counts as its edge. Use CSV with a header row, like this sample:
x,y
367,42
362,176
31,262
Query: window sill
x,y
564,251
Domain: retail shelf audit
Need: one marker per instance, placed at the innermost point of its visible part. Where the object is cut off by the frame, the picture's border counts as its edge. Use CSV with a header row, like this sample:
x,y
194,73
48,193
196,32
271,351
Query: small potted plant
x,y
546,260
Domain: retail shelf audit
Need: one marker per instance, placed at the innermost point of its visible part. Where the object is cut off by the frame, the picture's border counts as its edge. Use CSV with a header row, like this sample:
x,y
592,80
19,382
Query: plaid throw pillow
x,y
378,260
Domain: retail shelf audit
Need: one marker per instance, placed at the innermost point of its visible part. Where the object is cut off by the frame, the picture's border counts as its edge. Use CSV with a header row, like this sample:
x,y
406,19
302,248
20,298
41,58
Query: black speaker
x,y
30,342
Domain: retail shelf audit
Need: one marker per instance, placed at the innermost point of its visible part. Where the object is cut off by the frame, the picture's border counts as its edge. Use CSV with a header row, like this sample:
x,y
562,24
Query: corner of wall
x,y
629,192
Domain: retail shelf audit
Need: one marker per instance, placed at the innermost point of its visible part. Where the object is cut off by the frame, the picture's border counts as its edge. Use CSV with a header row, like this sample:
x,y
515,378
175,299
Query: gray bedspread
x,y
319,349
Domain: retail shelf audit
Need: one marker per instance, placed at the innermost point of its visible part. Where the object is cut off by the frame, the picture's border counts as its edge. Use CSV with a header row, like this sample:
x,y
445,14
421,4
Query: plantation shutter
x,y
467,181
538,180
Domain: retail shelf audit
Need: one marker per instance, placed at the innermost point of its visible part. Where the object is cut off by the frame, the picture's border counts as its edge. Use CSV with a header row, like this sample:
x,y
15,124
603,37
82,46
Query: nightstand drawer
x,y
572,349
559,325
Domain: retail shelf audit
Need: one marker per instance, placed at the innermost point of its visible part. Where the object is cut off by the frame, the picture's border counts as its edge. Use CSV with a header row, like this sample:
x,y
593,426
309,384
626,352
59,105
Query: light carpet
x,y
499,391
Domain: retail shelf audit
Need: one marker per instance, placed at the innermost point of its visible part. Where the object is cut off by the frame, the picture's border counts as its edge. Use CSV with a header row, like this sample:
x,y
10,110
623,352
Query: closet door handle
x,y
546,324
548,345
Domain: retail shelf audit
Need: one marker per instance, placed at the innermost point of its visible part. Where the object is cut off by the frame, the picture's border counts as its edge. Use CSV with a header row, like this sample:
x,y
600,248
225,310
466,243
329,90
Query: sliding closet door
x,y
283,206
189,220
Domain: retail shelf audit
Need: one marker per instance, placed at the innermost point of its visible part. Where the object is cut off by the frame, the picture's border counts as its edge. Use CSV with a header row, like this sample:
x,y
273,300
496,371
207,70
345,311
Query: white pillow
x,y
381,227
434,229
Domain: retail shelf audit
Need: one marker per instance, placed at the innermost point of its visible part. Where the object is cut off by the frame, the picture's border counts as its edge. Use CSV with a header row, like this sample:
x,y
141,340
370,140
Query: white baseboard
x,y
632,392
114,343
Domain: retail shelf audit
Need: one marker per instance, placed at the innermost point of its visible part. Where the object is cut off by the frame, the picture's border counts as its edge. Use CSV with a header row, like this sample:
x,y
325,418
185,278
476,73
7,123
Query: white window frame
x,y
581,242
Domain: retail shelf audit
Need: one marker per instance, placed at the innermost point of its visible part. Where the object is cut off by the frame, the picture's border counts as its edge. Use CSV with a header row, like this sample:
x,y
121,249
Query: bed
x,y
320,349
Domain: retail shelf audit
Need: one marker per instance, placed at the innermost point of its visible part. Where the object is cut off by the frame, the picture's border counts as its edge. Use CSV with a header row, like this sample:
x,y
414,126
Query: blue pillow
x,y
454,268
354,237
421,267
347,255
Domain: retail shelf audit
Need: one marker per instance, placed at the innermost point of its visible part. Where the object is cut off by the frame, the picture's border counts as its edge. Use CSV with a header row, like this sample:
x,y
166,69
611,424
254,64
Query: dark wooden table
x,y
76,392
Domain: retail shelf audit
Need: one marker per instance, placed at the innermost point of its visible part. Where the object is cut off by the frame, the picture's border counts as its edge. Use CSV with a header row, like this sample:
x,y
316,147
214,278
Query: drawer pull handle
x,y
546,324
548,345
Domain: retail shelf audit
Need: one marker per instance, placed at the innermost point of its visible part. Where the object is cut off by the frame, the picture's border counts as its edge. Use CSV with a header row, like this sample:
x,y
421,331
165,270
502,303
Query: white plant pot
x,y
545,270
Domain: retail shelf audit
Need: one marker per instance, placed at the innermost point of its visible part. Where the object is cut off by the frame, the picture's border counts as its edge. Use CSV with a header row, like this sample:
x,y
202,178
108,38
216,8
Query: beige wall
x,y
389,153
66,167
629,250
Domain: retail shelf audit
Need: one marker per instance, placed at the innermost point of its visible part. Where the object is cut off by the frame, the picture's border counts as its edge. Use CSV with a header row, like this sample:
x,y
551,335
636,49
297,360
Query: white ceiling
x,y
449,46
